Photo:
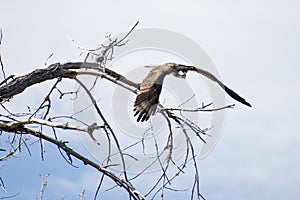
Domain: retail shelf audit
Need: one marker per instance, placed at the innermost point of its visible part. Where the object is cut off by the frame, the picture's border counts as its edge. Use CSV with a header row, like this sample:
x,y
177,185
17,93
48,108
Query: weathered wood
x,y
20,83
17,85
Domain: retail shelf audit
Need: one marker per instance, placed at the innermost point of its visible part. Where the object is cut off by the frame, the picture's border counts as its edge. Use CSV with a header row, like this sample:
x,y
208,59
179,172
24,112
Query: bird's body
x,y
148,95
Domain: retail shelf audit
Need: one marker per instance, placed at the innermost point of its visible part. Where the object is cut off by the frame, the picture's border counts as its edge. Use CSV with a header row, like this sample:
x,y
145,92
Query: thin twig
x,y
1,63
202,109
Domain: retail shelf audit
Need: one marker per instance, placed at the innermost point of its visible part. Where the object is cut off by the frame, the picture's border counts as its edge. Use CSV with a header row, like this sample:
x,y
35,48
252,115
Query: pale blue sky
x,y
253,44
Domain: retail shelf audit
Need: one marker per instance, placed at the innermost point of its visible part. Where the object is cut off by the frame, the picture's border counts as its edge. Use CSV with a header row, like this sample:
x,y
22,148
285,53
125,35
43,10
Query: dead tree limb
x,y
20,129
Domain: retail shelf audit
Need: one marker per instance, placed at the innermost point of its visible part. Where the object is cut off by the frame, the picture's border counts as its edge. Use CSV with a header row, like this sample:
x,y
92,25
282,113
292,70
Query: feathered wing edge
x,y
236,96
146,101
229,91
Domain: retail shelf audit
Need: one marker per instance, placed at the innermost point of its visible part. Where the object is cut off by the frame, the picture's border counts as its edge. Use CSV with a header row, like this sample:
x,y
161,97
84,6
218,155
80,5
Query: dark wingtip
x,y
247,104
236,96
141,116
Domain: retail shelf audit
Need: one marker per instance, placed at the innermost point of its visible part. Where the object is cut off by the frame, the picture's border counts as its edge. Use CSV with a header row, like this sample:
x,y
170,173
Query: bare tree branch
x,y
37,121
1,63
62,145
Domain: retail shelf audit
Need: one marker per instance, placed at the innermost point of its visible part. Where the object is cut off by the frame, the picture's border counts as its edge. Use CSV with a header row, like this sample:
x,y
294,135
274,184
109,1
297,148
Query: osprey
x,y
149,90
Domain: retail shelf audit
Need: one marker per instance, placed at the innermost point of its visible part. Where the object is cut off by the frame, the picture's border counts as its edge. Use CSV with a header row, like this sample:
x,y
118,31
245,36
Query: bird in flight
x,y
148,95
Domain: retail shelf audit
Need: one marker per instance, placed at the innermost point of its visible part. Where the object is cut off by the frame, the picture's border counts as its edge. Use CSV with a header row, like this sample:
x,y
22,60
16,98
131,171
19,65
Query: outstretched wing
x,y
146,102
236,96
229,91
148,95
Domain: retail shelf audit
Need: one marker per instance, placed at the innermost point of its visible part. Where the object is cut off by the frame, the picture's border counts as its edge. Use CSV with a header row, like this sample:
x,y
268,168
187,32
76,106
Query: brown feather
x,y
148,95
146,101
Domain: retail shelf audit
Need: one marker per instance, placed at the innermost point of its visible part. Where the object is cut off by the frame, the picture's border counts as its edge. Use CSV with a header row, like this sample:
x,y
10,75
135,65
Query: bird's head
x,y
178,70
